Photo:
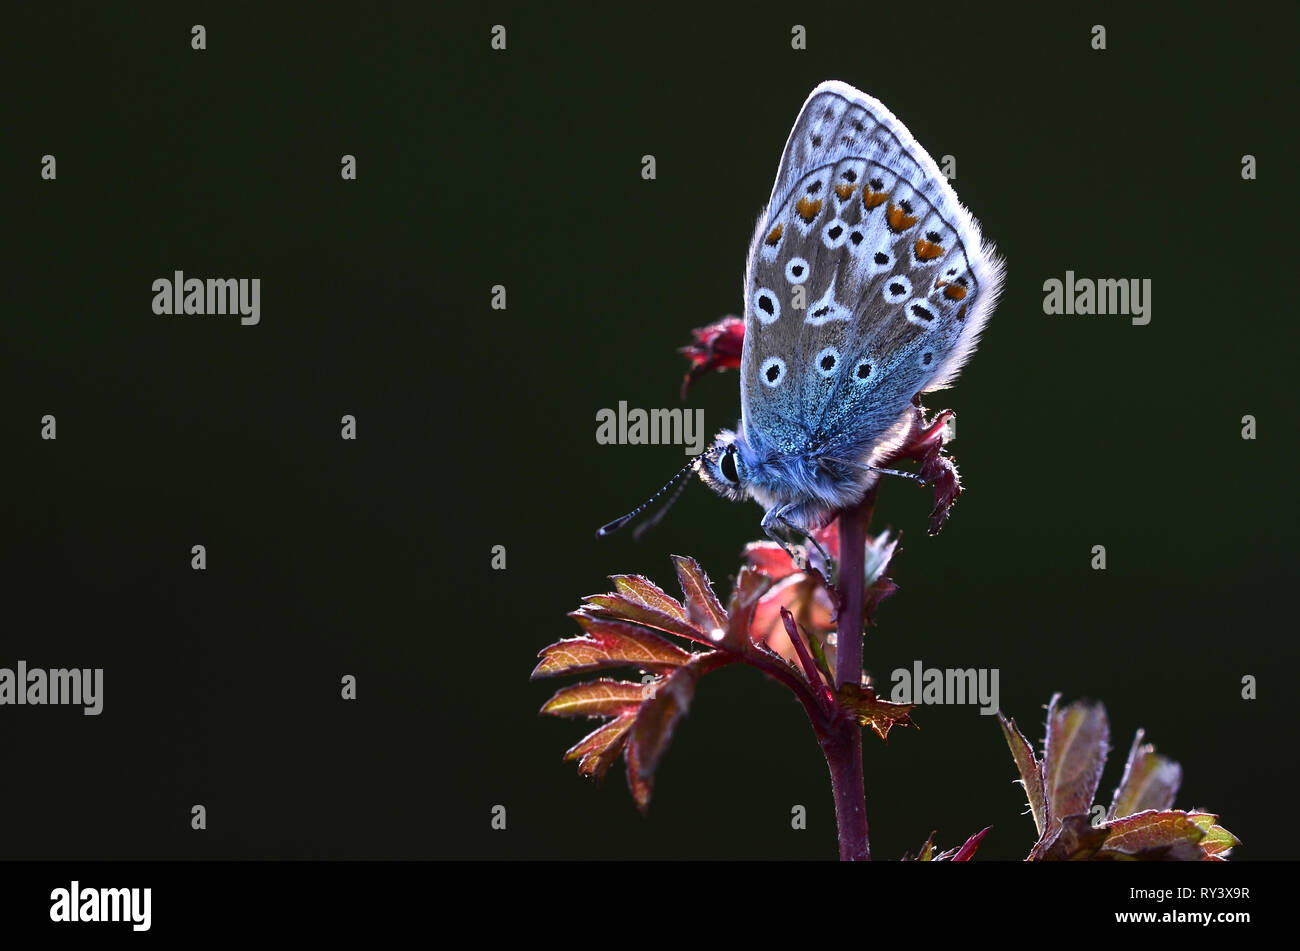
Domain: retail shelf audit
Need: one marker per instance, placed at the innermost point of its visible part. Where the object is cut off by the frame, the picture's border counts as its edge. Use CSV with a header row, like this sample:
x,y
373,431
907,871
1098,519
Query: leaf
x,y
627,628
596,698
1218,842
1157,835
653,728
962,854
968,848
638,785
745,595
769,558
1073,838
926,853
1149,781
702,605
880,715
597,750
1031,773
879,555
1073,756
1066,779
810,603
609,643
649,594
621,607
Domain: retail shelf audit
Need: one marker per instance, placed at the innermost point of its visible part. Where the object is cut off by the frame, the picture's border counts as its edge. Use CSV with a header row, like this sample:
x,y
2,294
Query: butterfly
x,y
867,284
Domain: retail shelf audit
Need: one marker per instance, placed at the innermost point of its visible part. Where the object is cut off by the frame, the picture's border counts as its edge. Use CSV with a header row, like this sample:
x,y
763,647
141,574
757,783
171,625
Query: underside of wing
x,y
868,282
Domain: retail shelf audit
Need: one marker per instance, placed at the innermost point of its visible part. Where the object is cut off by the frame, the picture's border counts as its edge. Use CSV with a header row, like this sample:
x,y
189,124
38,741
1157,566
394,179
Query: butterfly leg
x,y
899,472
777,515
771,518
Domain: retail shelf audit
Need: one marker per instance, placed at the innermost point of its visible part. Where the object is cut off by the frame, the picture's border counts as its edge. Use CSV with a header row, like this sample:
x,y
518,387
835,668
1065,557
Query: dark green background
x,y
477,427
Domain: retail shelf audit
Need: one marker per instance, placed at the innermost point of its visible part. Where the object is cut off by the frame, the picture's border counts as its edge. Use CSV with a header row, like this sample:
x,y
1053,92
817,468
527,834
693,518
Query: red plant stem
x,y
843,745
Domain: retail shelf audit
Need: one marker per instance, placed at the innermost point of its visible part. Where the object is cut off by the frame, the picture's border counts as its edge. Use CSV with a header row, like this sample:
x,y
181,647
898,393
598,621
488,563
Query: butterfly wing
x,y
894,277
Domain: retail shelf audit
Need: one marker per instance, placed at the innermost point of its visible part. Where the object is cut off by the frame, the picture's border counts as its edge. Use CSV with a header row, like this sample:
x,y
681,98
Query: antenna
x,y
611,527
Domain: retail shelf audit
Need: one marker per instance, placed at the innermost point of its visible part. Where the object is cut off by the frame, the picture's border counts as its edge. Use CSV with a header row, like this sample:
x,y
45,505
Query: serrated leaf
x,y
609,643
880,715
641,786
646,592
1074,753
1031,773
622,607
596,698
1218,842
1158,835
597,750
653,728
1149,781
702,605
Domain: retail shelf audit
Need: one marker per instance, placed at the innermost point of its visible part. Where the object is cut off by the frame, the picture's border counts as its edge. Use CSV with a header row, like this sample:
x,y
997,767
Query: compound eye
x,y
727,465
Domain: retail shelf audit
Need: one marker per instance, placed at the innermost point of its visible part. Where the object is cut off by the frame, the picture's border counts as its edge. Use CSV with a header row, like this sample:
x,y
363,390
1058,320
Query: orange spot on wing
x,y
927,250
954,292
871,199
774,235
899,220
844,191
808,208
961,314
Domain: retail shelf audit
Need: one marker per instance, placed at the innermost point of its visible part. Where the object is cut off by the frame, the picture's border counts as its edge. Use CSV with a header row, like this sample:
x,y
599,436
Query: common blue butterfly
x,y
867,284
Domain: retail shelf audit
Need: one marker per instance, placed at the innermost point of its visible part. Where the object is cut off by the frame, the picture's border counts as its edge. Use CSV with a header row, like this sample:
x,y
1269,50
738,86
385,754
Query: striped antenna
x,y
612,527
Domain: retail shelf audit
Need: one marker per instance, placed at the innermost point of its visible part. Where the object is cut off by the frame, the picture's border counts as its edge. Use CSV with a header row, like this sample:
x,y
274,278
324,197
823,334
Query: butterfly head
x,y
727,467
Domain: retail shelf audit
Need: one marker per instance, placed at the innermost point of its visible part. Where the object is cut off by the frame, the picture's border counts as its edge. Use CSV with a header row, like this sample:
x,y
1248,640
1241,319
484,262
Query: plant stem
x,y
843,745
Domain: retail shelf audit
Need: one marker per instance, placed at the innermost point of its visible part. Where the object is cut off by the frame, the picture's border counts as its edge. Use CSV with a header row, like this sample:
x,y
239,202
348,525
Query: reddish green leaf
x,y
596,698
1031,773
641,786
597,750
622,607
1168,835
1073,756
880,715
702,605
1149,781
658,716
609,643
649,594
1218,841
